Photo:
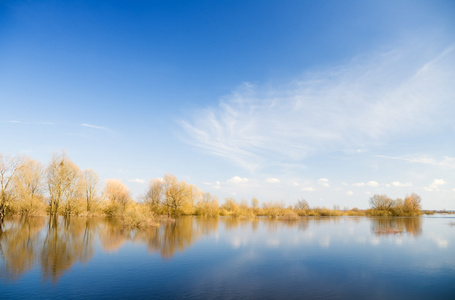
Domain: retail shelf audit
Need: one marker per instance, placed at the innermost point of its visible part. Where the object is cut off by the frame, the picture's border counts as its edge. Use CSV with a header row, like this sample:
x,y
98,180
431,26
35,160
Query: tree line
x,y
62,188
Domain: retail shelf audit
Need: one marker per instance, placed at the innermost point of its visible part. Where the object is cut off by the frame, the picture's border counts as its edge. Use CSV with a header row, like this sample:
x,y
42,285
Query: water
x,y
316,258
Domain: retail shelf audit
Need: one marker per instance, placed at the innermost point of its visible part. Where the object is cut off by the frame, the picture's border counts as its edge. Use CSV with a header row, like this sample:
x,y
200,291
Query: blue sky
x,y
333,101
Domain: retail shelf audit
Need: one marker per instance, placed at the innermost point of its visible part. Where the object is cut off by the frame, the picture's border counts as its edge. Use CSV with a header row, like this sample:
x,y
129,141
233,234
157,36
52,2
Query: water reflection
x,y
19,244
67,241
395,226
56,244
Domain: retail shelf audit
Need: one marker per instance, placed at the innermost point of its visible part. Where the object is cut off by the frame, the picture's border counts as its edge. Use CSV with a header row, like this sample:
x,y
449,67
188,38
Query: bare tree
x,y
176,194
381,203
117,194
91,181
412,204
255,203
8,169
155,195
207,205
64,183
28,185
302,204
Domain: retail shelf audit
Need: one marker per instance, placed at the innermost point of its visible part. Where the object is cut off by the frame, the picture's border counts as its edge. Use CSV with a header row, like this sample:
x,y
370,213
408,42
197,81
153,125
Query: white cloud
x,y
308,189
238,179
216,185
399,184
137,180
369,183
323,182
384,96
94,126
350,193
434,186
437,182
272,180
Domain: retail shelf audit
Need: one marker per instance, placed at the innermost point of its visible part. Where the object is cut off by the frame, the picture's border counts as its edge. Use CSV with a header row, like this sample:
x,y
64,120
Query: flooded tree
x,y
176,195
382,205
64,181
154,196
301,204
9,166
207,206
28,185
117,196
412,204
90,181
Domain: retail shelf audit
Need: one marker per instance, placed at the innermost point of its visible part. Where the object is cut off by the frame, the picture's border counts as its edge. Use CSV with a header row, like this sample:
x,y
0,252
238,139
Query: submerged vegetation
x,y
30,189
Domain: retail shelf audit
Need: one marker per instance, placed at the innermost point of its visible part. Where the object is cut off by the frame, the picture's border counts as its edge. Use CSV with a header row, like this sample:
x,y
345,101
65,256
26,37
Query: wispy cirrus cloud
x,y
29,123
363,102
94,126
446,161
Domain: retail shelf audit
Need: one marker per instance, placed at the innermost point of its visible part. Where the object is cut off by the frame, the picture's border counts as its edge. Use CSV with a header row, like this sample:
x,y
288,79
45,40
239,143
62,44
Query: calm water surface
x,y
340,258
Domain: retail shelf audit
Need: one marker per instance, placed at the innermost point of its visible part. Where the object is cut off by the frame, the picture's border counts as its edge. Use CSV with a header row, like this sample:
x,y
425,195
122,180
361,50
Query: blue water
x,y
316,258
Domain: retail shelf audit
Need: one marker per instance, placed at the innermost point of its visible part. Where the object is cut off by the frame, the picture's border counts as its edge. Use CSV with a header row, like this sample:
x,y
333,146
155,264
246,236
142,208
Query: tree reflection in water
x,y
56,244
67,241
176,236
390,226
19,243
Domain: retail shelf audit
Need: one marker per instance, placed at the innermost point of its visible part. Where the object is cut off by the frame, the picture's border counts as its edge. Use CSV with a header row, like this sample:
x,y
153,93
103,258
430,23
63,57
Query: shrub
x,y
138,216
289,216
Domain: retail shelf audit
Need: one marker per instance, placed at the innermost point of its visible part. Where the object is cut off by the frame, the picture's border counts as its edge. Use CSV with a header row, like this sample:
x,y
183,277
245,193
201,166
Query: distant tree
x,y
230,204
397,207
412,204
301,204
243,204
90,181
381,203
9,166
255,203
